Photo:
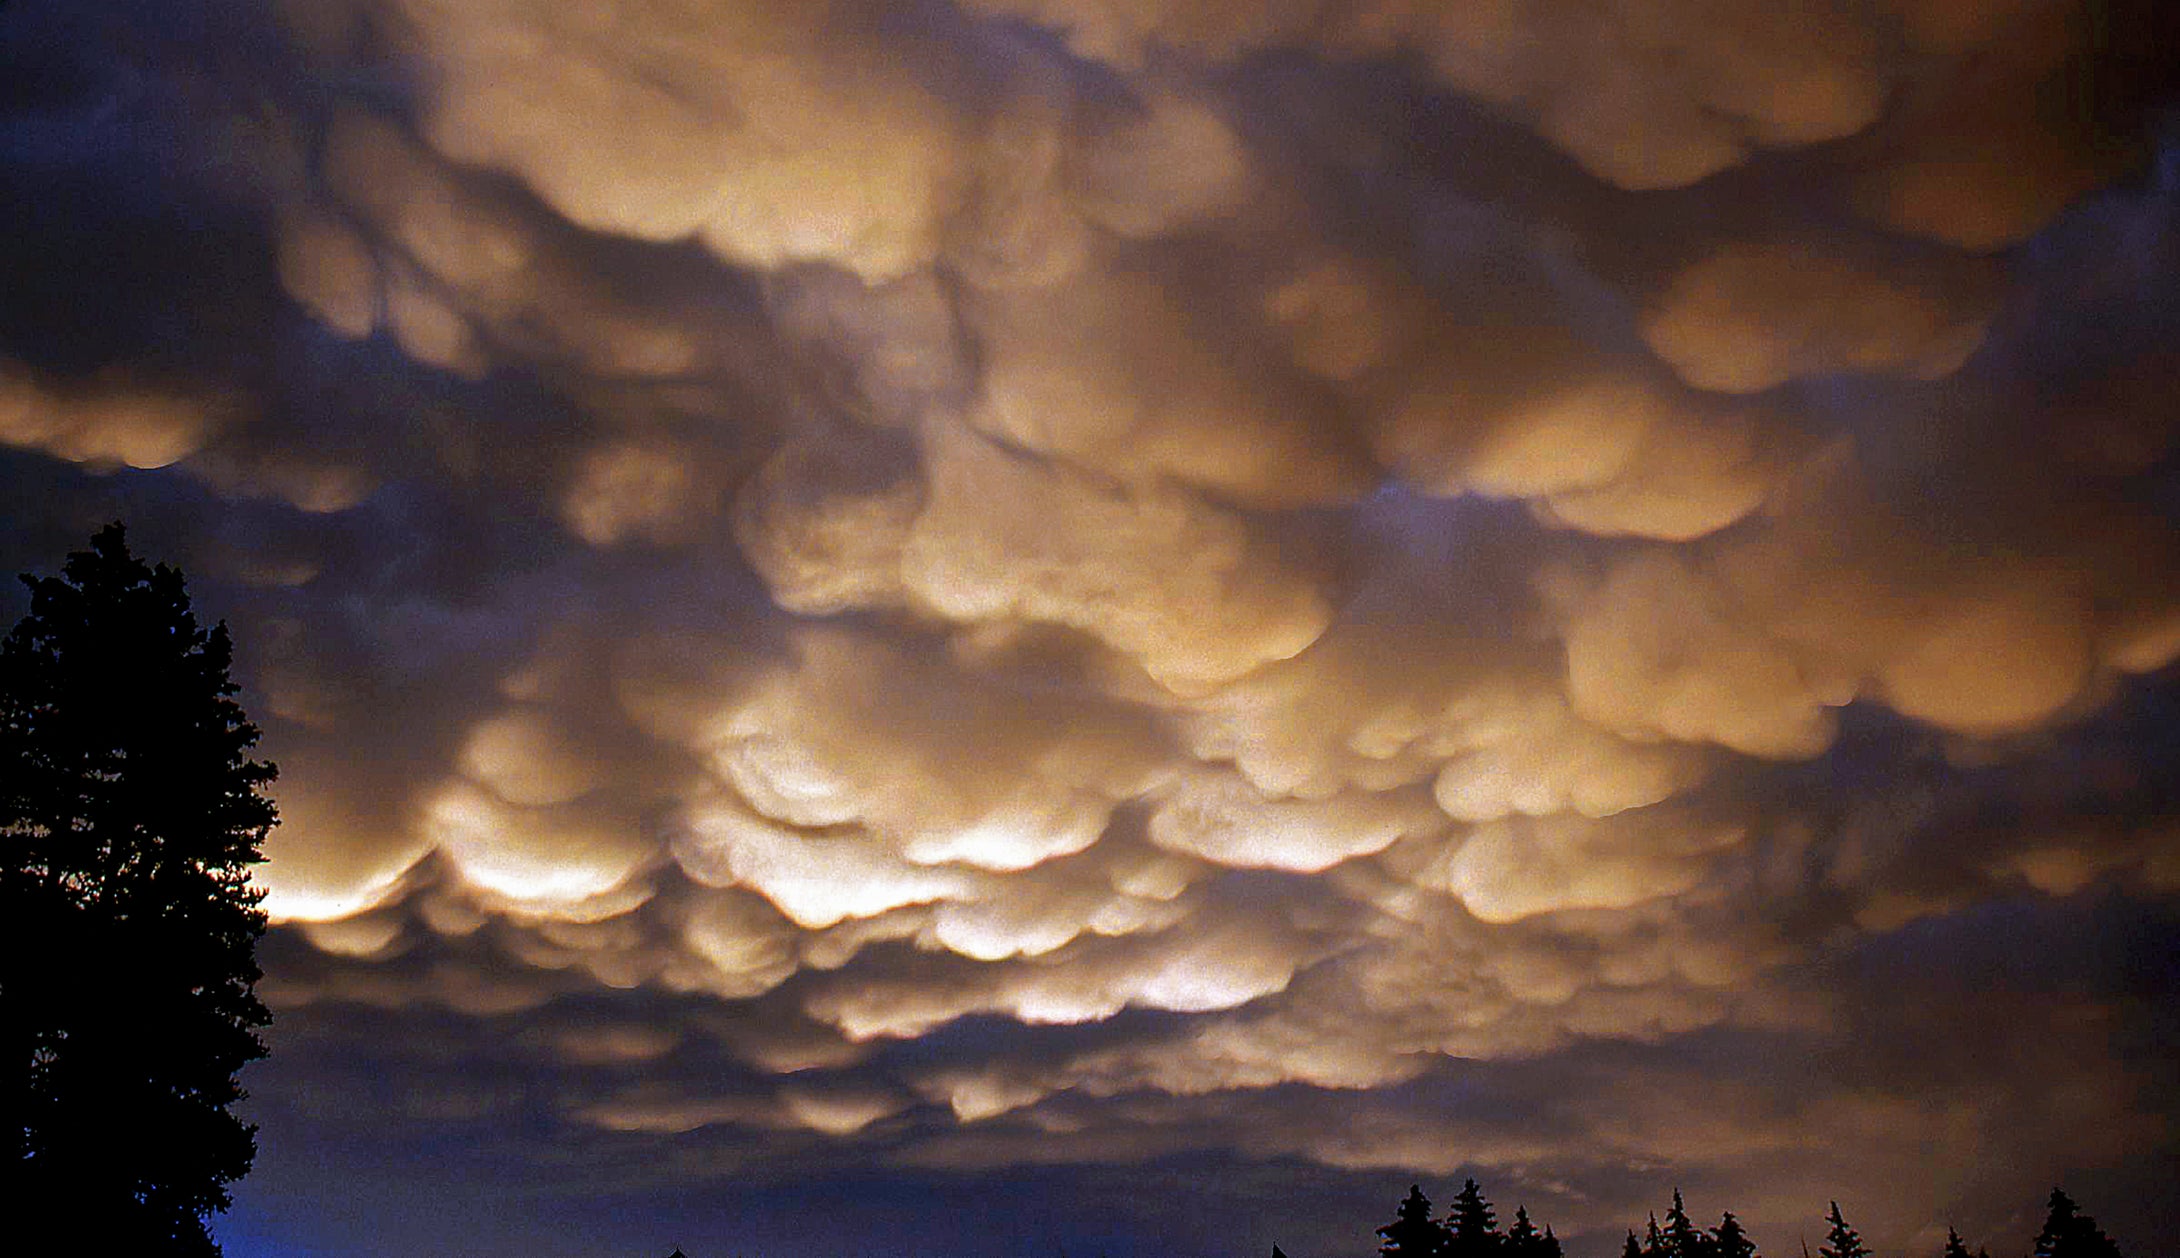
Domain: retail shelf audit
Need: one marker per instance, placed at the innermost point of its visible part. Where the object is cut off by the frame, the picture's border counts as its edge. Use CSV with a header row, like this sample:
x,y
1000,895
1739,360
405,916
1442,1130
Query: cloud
x,y
105,424
1648,96
402,240
1226,820
740,127
1043,582
1750,317
1189,589
1505,871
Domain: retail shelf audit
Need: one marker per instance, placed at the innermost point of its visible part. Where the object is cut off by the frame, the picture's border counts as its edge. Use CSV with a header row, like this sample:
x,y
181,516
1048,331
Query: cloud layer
x,y
1426,588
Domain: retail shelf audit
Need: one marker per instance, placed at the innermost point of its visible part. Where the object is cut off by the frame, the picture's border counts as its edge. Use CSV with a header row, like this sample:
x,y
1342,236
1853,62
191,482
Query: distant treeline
x,y
1470,1229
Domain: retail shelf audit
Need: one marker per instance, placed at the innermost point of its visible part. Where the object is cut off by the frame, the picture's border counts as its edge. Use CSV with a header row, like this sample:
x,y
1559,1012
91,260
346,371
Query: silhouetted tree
x,y
130,814
1653,1239
1549,1246
2068,1233
1728,1240
1412,1233
1633,1248
1522,1238
1682,1238
1955,1247
1472,1228
1842,1241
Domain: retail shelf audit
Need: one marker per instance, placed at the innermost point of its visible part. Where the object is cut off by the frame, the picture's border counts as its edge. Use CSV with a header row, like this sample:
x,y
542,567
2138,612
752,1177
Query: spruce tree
x,y
1472,1228
130,814
1728,1240
2068,1233
2061,1223
1654,1239
1633,1248
1522,1238
1682,1238
1412,1233
1549,1246
1842,1241
1955,1247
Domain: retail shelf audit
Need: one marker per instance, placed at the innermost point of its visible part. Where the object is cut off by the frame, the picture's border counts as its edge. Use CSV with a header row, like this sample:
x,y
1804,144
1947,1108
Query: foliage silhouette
x,y
1472,1228
1843,1241
1524,1241
1729,1240
1469,1230
2068,1233
1521,1234
1412,1233
1683,1239
130,814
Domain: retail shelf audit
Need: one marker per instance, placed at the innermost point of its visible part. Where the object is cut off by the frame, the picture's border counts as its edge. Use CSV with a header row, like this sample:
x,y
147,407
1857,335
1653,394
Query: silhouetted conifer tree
x,y
1654,1239
130,815
1728,1240
1682,1238
1842,1241
1633,1248
2068,1233
1955,1247
1412,1233
1549,1246
1522,1238
1472,1228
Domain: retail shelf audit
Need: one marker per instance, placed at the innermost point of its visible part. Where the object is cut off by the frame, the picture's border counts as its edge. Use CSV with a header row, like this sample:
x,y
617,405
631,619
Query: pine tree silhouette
x,y
1412,1233
1682,1238
2060,1225
1472,1229
1842,1241
1522,1238
1633,1248
1955,1247
1728,1240
2068,1233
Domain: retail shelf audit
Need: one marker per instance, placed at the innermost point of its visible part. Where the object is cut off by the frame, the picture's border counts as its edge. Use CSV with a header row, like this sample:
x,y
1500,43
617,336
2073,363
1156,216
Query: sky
x,y
980,628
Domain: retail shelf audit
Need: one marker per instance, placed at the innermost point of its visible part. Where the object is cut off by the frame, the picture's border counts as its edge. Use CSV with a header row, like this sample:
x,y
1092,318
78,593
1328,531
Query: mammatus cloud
x,y
100,423
1019,581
